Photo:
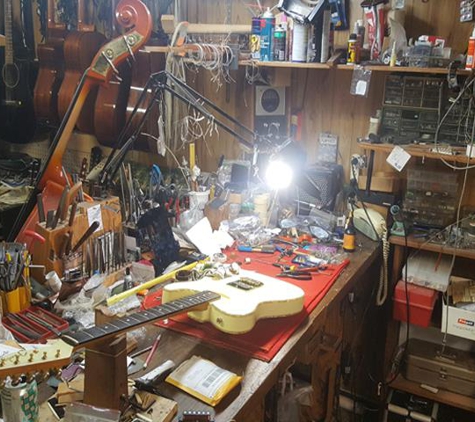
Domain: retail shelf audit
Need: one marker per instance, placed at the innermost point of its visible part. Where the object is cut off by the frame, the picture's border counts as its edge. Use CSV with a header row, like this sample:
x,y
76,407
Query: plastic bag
x,y
360,81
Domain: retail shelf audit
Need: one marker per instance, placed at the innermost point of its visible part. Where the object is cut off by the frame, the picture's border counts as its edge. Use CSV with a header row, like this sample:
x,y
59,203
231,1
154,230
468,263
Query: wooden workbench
x,y
259,377
245,403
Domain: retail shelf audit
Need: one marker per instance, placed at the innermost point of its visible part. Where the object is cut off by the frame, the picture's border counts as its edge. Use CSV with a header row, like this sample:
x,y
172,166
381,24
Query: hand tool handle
x,y
60,209
72,214
92,228
73,192
41,208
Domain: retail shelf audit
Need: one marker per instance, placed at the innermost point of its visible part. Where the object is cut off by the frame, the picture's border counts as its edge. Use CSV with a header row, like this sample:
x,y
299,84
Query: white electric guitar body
x,y
245,298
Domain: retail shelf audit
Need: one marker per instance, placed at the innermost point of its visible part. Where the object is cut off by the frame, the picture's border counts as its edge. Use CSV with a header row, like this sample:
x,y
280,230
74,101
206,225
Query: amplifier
x,y
318,186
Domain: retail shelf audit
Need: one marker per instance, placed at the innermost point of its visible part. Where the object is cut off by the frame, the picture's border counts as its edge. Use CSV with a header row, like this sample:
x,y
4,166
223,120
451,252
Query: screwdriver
x,y
262,249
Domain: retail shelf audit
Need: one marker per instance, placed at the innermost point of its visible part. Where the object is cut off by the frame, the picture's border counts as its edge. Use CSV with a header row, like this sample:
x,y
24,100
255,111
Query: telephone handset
x,y
373,225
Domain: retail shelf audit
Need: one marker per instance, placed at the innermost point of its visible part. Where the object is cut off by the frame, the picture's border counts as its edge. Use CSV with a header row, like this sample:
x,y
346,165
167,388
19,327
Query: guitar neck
x,y
8,12
120,325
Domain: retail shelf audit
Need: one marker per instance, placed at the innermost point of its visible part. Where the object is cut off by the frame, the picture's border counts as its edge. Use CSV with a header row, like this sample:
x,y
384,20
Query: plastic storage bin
x,y
421,303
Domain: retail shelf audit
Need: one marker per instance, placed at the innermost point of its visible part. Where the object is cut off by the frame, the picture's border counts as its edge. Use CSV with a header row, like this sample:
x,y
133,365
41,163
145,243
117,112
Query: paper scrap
x,y
95,214
398,158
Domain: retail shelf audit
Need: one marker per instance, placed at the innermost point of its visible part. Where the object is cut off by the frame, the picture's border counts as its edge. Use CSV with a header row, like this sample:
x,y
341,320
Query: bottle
x,y
128,282
470,51
279,44
351,59
349,235
267,35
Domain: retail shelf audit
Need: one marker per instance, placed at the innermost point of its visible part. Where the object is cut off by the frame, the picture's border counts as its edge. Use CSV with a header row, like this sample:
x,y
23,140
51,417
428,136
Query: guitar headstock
x,y
134,16
45,357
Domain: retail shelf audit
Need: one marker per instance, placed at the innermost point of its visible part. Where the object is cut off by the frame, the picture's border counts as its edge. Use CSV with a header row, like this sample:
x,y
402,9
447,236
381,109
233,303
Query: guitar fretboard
x,y
138,319
8,14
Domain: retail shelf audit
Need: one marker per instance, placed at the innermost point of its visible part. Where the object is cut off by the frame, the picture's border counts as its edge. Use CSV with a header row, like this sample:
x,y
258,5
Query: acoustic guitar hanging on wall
x,y
17,116
79,49
51,71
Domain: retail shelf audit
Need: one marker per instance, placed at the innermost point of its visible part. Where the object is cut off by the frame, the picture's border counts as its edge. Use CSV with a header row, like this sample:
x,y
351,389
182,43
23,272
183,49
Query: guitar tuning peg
x,y
2,362
30,359
58,353
30,377
45,356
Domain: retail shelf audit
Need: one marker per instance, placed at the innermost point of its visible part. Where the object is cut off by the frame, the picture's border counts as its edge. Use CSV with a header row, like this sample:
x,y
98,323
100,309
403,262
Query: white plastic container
x,y
199,199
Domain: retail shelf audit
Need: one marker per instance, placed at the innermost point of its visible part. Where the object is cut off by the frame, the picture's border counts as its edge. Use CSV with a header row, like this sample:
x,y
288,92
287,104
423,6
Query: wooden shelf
x,y
423,245
295,65
422,151
446,397
374,68
432,70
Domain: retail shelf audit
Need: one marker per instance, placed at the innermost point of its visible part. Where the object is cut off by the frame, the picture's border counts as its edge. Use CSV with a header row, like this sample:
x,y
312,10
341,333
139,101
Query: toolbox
x,y
444,368
421,303
34,325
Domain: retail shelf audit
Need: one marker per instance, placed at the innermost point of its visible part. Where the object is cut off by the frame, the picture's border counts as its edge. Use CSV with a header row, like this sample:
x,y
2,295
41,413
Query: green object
x,y
397,229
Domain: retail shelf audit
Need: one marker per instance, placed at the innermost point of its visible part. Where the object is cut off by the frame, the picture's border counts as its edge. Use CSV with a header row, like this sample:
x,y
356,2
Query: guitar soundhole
x,y
11,75
245,284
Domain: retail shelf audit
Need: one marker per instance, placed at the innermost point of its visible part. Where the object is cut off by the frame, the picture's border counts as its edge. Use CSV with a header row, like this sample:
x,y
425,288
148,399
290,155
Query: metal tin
x,y
20,402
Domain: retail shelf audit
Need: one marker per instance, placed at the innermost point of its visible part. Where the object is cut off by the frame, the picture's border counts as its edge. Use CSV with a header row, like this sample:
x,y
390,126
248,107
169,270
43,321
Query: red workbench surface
x,y
269,335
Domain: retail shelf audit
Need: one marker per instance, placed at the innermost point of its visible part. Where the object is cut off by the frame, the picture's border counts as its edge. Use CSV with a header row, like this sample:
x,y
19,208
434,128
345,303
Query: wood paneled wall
x,y
322,96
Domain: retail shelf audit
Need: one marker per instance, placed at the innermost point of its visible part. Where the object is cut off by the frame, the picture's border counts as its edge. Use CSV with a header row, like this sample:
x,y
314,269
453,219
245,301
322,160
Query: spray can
x,y
469,64
20,401
351,58
255,40
280,42
299,43
267,35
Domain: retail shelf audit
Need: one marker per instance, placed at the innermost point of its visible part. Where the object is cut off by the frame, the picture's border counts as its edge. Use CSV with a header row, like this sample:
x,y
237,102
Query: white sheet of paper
x,y
201,235
95,214
398,158
361,88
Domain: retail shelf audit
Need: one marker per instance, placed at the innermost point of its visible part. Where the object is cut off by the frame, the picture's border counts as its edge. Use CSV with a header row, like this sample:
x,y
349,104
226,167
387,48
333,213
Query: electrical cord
x,y
468,84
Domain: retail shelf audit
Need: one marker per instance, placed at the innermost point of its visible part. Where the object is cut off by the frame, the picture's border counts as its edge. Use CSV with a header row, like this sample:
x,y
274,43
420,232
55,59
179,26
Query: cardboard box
x,y
461,323
381,182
